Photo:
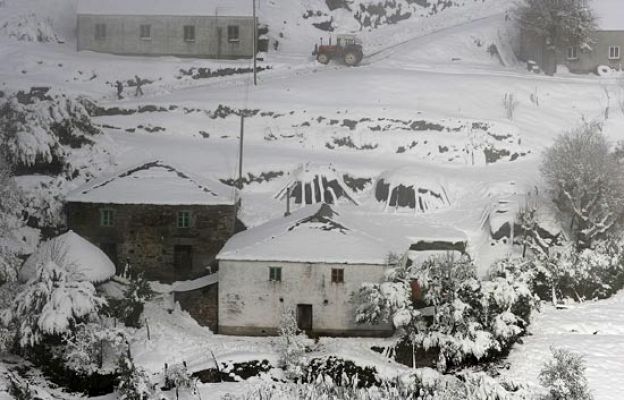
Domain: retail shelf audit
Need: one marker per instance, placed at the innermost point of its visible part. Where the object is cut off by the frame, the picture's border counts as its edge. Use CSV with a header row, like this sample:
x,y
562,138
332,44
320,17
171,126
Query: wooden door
x,y
304,317
110,249
182,261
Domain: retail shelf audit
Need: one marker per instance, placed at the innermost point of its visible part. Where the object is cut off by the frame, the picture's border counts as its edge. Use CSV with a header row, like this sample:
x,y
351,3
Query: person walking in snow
x,y
139,84
119,86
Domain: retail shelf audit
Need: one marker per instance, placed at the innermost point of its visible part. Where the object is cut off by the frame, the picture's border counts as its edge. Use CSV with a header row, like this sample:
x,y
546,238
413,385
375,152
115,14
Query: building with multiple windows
x,y
312,262
156,219
186,28
606,49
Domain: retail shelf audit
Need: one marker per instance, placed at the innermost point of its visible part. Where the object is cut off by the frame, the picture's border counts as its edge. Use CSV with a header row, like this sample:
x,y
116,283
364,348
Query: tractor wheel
x,y
352,58
323,58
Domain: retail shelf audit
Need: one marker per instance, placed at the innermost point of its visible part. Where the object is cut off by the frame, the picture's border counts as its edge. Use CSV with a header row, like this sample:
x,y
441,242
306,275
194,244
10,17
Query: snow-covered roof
x,y
82,260
609,14
321,234
166,7
154,182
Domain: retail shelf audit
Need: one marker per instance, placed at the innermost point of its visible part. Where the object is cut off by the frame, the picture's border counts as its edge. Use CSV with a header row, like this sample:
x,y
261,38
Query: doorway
x,y
304,317
110,249
182,261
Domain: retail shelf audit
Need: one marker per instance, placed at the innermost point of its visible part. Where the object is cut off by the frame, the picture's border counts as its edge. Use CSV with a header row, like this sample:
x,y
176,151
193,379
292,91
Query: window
x,y
145,32
107,217
100,31
337,275
184,219
233,33
614,52
572,54
275,274
189,33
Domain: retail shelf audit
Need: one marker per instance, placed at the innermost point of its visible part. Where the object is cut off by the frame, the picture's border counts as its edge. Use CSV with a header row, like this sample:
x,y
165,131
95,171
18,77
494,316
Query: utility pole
x,y
255,43
240,151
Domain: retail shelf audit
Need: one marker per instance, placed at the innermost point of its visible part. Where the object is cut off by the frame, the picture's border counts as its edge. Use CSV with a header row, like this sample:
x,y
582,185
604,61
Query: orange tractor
x,y
347,48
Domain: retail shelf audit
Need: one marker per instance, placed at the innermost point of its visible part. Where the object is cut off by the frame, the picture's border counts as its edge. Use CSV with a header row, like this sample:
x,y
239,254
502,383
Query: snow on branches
x,y
560,24
51,304
586,181
471,319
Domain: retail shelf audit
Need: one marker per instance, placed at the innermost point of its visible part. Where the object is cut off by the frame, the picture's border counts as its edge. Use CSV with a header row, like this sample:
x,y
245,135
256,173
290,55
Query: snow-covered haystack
x,y
30,28
82,260
406,189
312,184
43,132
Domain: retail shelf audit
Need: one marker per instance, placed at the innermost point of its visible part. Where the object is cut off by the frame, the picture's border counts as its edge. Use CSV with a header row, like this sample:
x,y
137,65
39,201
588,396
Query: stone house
x,y
608,42
155,218
220,29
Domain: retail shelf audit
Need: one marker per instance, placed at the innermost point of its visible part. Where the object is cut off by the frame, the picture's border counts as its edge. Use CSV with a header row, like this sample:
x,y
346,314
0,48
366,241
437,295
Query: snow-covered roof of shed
x,y
609,14
82,260
320,234
166,7
154,182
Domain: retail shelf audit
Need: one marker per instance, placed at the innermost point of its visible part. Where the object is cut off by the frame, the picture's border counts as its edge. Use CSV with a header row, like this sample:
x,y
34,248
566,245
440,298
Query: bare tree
x,y
586,183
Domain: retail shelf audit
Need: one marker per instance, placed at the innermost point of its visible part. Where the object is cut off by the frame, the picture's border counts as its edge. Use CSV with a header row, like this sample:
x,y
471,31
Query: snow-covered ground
x,y
425,102
592,329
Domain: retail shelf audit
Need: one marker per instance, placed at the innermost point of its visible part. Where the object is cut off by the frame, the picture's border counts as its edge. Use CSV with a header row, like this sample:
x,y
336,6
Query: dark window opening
x,y
233,33
145,32
275,274
337,275
189,33
100,31
304,317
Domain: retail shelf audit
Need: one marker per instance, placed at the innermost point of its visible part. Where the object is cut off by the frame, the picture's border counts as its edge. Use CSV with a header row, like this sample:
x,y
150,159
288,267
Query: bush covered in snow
x,y
129,307
41,133
423,384
50,305
90,346
472,320
564,377
134,384
9,221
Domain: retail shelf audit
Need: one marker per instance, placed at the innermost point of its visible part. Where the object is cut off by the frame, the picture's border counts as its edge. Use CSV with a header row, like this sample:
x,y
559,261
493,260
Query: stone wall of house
x,y
145,236
202,304
167,36
251,304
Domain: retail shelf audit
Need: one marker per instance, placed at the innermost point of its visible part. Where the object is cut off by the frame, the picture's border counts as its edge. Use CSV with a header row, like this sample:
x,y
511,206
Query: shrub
x,y
472,320
564,377
129,308
133,384
291,345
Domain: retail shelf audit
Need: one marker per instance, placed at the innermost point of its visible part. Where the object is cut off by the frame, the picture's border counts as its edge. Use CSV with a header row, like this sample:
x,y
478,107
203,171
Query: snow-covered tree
x,y
178,376
9,221
50,305
91,344
560,24
472,319
586,182
291,345
129,307
564,377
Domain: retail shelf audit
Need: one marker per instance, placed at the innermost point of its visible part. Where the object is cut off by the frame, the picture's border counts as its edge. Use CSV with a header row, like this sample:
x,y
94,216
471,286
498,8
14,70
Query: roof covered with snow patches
x,y
609,14
321,234
166,7
154,182
82,260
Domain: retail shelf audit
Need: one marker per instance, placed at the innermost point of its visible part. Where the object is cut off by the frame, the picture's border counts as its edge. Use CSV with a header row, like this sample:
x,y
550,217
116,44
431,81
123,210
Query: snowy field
x,y
420,110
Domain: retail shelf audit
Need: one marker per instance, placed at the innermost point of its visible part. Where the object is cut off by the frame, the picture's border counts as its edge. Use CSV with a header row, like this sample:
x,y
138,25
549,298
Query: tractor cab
x,y
348,48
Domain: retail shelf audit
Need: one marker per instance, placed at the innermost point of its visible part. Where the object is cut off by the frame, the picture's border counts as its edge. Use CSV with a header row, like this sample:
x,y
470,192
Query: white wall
x,y
250,304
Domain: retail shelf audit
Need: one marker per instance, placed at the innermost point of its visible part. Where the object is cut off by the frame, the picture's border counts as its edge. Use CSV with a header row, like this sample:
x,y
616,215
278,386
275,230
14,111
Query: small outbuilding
x,y
156,219
220,29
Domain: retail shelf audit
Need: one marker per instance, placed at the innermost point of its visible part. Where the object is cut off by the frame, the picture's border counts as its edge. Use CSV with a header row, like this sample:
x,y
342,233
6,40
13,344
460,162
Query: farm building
x,y
311,261
606,50
185,28
155,218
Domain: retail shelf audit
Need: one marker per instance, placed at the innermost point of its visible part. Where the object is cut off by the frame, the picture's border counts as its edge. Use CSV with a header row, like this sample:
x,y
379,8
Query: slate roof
x,y
166,7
